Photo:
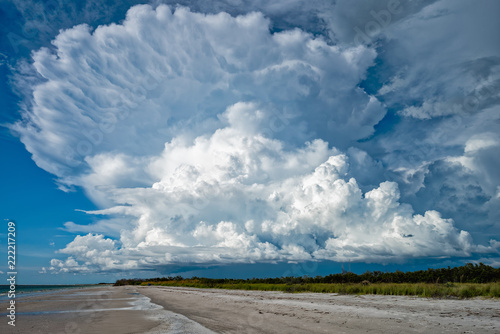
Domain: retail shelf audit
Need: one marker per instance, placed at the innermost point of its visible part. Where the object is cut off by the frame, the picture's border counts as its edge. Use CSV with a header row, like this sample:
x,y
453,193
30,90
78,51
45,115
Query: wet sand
x,y
153,310
116,310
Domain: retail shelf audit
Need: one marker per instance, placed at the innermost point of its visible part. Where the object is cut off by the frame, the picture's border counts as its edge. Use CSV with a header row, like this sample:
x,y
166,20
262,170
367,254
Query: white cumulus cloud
x,y
239,196
208,138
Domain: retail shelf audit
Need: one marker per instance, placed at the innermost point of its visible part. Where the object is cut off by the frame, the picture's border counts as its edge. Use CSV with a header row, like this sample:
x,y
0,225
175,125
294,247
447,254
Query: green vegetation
x,y
458,290
461,282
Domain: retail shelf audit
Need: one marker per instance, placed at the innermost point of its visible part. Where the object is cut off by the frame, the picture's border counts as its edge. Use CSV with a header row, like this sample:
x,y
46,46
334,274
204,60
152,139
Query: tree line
x,y
469,273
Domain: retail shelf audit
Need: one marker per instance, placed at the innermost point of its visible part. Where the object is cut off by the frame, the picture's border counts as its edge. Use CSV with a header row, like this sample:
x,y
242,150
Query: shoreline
x,y
178,310
98,309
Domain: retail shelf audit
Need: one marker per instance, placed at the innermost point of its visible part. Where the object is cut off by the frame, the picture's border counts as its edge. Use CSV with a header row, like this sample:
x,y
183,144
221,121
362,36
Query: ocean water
x,y
21,289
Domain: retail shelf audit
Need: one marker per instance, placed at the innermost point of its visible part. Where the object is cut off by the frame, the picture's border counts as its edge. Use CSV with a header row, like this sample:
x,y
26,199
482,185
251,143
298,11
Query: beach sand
x,y
153,310
107,310
238,311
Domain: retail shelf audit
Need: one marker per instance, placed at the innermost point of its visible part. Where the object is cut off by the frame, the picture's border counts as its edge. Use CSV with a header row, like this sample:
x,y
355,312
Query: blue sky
x,y
243,138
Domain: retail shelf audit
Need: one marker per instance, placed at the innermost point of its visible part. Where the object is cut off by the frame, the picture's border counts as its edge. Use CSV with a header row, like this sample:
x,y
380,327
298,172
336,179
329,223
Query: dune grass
x,y
430,290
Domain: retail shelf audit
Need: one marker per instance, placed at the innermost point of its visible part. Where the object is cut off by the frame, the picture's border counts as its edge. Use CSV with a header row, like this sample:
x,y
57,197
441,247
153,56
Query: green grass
x,y
448,290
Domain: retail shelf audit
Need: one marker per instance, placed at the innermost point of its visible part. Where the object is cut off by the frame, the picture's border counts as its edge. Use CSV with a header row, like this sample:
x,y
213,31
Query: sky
x,y
233,138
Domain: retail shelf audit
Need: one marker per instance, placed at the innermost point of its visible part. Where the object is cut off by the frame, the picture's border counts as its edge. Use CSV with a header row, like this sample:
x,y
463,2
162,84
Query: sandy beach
x,y
117,310
152,310
238,311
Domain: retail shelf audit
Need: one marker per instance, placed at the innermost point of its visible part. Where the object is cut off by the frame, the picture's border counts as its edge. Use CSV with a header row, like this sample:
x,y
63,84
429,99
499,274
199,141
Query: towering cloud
x,y
238,196
209,138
